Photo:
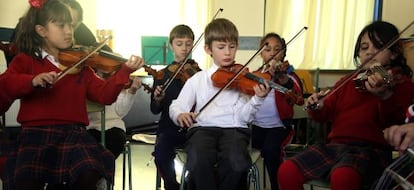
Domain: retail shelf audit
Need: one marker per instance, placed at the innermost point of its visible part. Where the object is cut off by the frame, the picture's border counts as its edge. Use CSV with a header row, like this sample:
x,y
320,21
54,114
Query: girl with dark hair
x,y
53,146
356,152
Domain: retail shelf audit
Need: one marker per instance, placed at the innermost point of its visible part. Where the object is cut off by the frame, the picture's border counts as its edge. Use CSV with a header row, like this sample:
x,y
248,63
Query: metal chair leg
x,y
127,150
253,177
183,177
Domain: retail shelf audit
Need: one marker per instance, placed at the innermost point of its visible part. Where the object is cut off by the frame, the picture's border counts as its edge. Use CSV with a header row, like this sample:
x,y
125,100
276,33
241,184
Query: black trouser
x,y
271,142
165,150
115,139
218,158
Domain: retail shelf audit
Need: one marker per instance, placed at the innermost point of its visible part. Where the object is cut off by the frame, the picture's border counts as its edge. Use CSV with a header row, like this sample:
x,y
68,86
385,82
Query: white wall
x,y
248,16
400,13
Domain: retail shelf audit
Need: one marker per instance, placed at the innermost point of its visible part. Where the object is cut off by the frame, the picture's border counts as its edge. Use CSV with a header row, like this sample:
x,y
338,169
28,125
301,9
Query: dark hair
x,y
73,4
277,36
181,31
27,39
381,33
220,29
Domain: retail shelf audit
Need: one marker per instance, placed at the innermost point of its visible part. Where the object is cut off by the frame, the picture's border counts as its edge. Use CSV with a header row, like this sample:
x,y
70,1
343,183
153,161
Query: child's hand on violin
x,y
261,90
135,85
135,62
313,101
159,94
44,79
376,85
186,120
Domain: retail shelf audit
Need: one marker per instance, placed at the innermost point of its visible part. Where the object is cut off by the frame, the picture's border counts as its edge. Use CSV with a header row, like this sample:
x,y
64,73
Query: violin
x,y
247,80
362,77
103,60
156,74
282,67
70,56
188,70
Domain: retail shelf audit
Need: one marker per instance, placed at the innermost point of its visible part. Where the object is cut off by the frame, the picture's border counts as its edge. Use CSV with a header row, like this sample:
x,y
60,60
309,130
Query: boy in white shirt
x,y
218,139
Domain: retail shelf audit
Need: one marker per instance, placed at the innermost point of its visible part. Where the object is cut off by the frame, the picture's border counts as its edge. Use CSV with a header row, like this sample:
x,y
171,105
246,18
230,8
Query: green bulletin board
x,y
155,50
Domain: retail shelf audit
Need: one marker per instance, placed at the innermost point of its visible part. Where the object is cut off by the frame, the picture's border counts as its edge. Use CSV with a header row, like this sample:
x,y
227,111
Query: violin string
x,y
231,79
177,71
70,68
360,67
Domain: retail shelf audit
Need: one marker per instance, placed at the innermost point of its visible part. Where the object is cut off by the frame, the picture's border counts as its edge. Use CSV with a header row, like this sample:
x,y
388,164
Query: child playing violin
x,y
181,41
272,127
357,152
218,138
53,146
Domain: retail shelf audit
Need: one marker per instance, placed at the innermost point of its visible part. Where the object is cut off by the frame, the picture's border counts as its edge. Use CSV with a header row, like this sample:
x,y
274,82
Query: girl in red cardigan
x,y
357,152
272,127
53,147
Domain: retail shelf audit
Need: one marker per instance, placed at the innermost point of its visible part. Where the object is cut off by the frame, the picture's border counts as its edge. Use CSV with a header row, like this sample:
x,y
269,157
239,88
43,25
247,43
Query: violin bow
x,y
70,68
359,69
277,87
169,80
231,79
284,48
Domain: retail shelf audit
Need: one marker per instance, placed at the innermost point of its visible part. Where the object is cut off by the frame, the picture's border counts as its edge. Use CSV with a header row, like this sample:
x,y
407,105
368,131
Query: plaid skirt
x,y
319,160
56,155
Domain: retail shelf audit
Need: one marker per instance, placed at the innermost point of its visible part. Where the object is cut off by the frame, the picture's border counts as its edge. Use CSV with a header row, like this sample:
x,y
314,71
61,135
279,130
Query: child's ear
x,y
41,30
207,49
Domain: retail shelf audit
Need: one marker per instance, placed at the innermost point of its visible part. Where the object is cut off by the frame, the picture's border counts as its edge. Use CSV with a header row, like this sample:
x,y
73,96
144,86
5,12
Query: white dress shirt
x,y
229,109
113,113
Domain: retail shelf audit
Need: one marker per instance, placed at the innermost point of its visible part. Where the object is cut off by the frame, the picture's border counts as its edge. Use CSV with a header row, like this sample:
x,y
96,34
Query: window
x,y
333,28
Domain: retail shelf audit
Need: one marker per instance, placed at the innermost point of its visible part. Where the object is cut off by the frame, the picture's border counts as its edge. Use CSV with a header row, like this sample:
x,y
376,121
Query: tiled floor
x,y
144,170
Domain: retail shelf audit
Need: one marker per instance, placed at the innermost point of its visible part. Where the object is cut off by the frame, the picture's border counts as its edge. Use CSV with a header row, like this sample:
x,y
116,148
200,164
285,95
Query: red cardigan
x,y
65,101
285,106
361,116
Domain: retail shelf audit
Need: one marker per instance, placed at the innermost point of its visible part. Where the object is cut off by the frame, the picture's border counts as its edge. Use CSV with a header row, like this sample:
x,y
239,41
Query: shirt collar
x,y
50,58
212,69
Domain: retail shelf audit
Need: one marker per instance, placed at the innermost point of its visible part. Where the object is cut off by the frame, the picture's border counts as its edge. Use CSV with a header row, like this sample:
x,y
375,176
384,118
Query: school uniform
x,y
53,145
272,128
356,139
217,144
169,138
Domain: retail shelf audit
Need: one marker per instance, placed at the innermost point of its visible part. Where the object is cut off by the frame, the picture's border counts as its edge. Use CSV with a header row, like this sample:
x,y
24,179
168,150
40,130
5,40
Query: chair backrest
x,y
307,81
6,34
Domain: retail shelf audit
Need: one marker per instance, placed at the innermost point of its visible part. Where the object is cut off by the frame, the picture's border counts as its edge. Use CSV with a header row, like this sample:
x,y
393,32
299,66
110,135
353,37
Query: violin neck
x,y
272,84
111,56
